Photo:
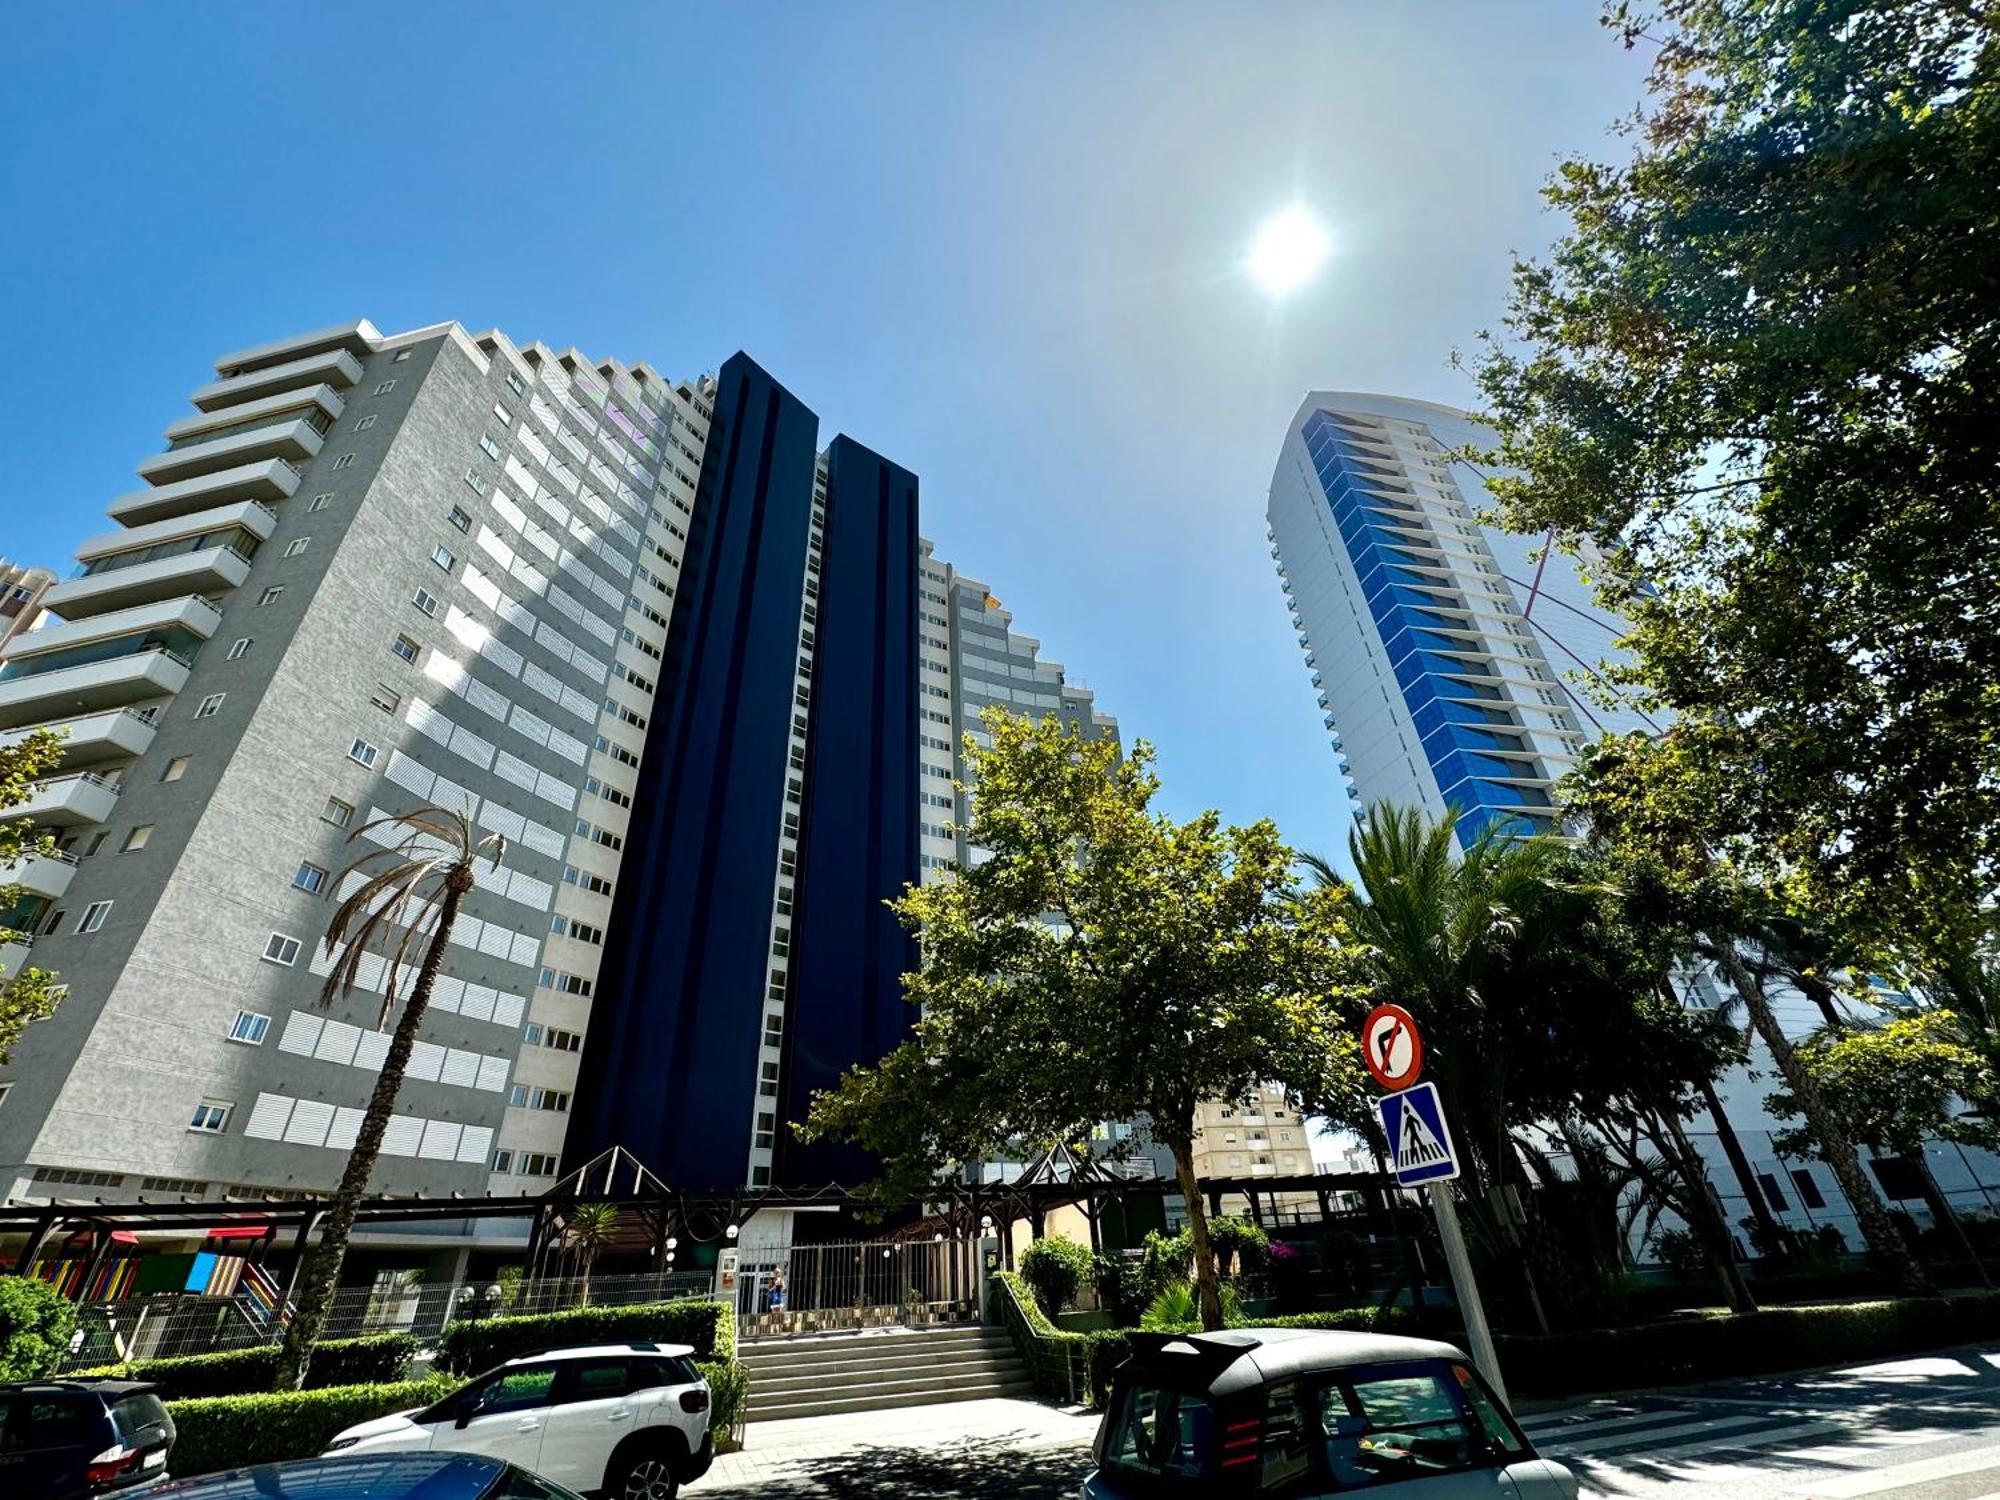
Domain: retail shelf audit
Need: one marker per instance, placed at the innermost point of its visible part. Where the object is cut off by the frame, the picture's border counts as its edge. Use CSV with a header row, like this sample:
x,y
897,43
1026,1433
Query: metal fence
x,y
854,1284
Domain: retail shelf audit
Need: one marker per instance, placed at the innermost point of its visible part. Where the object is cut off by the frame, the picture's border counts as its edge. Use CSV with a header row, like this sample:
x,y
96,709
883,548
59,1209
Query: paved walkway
x,y
965,1448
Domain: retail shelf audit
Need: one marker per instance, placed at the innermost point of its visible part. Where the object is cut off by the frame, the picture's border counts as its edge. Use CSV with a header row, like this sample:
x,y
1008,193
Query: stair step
x,y
963,1331
884,1387
887,1401
860,1380
818,1363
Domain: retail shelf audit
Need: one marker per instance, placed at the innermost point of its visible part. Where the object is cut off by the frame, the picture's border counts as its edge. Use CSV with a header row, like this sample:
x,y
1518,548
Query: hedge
x,y
729,1394
229,1432
1715,1345
473,1344
375,1359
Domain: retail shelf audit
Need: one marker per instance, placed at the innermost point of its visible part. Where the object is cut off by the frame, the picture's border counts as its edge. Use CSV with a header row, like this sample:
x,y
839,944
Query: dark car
x,y
1297,1413
66,1439
372,1476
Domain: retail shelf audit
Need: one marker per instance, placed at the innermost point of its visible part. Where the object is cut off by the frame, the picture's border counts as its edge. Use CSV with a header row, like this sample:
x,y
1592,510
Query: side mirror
x,y
467,1410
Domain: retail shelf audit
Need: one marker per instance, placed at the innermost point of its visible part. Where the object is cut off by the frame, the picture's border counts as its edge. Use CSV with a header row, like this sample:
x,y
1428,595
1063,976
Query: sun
x,y
1288,251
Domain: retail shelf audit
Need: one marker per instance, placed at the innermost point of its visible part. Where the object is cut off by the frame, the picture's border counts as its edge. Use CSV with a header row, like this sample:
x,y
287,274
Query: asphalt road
x,y
1925,1428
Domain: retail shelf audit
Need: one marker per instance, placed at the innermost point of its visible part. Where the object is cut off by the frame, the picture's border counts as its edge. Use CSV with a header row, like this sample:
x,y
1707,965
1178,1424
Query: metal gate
x,y
854,1284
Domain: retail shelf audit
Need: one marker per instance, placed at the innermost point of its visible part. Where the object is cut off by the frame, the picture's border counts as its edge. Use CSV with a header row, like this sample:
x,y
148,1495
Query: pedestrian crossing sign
x,y
1419,1143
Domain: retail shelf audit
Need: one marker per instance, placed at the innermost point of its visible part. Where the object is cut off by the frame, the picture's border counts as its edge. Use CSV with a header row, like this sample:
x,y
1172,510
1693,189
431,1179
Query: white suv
x,y
629,1420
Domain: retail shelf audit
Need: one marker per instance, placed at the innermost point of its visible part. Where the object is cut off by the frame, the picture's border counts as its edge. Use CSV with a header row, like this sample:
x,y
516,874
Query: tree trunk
x,y
1708,1219
1739,1163
323,1270
1946,1220
1876,1226
1208,1287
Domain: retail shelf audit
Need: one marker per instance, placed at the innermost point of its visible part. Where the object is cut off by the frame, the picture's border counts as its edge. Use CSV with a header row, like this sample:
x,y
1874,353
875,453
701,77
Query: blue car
x,y
372,1476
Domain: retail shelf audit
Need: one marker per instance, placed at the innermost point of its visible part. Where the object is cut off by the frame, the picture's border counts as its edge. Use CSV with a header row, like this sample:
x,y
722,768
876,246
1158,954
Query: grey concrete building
x,y
368,571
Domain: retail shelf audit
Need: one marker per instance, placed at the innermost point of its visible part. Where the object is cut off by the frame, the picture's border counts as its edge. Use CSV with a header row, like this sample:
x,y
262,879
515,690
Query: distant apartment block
x,y
21,590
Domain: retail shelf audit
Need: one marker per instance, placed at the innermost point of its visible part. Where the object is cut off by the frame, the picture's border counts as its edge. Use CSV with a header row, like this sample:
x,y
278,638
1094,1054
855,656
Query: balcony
x,y
269,479
67,802
252,516
210,570
295,440
88,687
185,617
95,739
14,957
40,874
336,367
320,401
358,339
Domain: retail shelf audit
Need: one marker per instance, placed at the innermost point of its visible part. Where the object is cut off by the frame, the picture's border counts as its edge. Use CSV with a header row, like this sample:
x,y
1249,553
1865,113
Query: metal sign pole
x,y
1477,1334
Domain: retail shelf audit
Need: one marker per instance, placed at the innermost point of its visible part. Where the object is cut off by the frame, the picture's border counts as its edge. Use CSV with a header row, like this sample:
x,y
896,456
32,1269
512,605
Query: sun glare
x,y
1288,251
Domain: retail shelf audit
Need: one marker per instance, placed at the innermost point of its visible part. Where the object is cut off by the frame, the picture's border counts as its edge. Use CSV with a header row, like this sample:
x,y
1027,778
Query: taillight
x,y
695,1400
112,1463
1240,1442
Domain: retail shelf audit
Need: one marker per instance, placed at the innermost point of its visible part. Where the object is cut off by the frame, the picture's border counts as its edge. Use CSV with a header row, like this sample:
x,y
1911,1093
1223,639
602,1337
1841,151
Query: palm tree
x,y
589,1232
409,890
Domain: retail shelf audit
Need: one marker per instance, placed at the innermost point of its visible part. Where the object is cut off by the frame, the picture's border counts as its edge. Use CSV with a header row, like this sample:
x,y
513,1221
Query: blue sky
x,y
1001,244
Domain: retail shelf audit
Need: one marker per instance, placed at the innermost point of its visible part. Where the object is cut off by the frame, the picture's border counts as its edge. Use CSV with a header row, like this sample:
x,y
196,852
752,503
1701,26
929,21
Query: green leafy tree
x,y
31,994
1761,371
409,892
1105,963
1054,1268
35,1325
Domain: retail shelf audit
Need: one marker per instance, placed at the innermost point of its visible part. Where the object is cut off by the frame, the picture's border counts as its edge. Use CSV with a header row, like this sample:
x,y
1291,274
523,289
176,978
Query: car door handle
x,y
528,1424
620,1414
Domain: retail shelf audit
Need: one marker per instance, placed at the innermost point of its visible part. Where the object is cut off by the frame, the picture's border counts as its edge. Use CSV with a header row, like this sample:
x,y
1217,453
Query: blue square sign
x,y
1419,1143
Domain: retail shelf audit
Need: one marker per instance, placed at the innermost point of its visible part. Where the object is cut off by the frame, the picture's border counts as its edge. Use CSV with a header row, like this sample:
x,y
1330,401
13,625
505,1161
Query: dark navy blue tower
x,y
671,1064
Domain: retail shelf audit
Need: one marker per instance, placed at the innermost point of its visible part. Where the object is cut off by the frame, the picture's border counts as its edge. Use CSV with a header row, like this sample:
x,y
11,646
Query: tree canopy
x,y
31,994
1759,371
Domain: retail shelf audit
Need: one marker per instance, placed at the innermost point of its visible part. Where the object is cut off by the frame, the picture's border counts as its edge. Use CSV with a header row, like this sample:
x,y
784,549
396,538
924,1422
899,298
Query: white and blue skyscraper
x,y
1459,666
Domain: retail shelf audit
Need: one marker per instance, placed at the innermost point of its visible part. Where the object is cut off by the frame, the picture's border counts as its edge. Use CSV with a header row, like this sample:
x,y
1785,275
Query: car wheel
x,y
646,1475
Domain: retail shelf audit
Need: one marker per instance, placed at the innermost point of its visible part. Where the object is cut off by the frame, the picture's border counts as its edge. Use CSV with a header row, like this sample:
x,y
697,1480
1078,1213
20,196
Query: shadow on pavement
x,y
993,1468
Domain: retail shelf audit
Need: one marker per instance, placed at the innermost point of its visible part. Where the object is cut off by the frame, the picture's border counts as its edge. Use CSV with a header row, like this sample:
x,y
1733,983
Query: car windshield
x,y
1161,1433
1380,1424
140,1415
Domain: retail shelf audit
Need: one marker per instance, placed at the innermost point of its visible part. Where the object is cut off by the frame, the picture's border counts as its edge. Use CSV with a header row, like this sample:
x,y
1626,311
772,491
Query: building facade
x,y
21,590
369,572
1456,663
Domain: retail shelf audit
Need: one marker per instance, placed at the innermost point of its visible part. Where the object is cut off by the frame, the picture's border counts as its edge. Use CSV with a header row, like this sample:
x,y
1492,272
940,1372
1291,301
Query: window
x,y
175,769
249,1028
767,1081
364,424
309,877
1159,1433
363,753
515,383
538,1164
426,601
503,1162
1809,1193
1773,1194
338,813
136,839
210,706
460,518
443,557
385,698
404,647
1412,1402
96,843
767,1131
320,502
54,922
270,595
93,916
474,482
487,446
524,1096
239,648
385,387
343,461
504,415
297,545
211,1116
279,949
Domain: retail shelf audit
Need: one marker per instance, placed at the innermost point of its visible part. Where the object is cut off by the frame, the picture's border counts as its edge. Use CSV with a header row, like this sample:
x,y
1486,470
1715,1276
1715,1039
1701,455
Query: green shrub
x,y
1721,1344
728,1393
228,1432
1239,1241
375,1359
1163,1260
35,1324
474,1344
1178,1309
1054,1268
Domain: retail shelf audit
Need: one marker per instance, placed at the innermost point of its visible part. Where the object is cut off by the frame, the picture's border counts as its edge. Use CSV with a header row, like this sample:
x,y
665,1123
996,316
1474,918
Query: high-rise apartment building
x,y
1458,664
21,590
700,670
368,572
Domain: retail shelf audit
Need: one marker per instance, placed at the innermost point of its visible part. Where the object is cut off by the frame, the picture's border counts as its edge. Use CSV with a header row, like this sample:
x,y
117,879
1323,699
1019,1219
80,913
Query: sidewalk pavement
x,y
796,1451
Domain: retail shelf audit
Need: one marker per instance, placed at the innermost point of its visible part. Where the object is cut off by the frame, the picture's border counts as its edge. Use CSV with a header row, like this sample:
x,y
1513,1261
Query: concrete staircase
x,y
816,1375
